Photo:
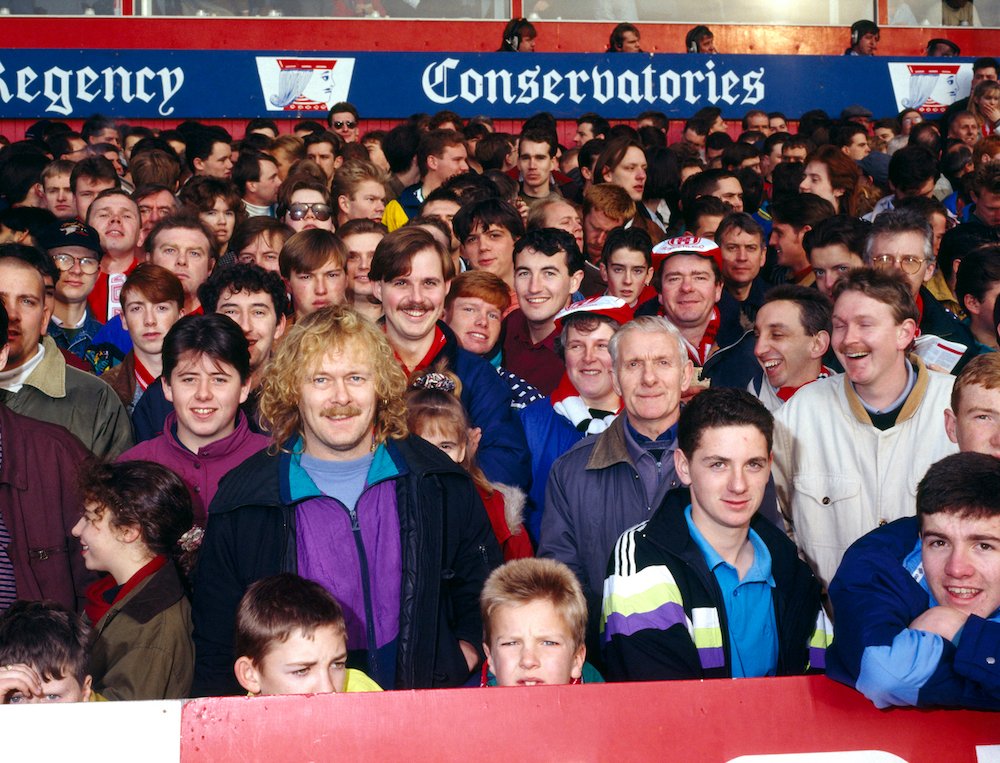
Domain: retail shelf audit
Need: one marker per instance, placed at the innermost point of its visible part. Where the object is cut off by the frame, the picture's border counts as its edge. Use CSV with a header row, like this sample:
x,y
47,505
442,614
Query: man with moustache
x,y
410,274
849,449
347,498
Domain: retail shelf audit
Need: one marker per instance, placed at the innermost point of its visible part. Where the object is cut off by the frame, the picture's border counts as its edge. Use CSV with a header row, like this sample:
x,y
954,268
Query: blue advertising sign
x,y
241,84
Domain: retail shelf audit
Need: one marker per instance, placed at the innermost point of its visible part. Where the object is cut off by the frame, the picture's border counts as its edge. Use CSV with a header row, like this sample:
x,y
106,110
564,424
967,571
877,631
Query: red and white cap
x,y
699,247
615,308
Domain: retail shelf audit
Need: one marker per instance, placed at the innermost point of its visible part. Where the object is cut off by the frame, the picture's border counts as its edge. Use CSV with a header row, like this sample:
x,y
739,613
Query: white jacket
x,y
837,477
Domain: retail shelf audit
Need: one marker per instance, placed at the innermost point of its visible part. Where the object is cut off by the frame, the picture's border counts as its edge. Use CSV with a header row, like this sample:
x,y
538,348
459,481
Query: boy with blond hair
x,y
534,626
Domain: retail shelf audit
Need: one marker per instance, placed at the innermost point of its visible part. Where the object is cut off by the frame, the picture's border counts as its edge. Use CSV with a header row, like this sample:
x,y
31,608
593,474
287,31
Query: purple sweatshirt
x,y
200,471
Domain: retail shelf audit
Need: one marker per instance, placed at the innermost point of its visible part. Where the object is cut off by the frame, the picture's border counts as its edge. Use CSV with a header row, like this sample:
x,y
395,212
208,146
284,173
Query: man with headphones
x,y
864,38
700,40
518,37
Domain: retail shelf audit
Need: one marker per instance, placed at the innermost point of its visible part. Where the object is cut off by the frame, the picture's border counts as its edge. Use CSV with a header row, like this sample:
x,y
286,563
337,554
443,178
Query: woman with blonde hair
x,y
984,105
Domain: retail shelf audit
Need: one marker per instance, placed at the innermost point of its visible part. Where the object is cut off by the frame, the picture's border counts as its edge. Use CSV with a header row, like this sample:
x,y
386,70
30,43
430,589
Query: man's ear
x,y
682,466
819,345
247,675
951,425
907,331
343,204
929,272
972,305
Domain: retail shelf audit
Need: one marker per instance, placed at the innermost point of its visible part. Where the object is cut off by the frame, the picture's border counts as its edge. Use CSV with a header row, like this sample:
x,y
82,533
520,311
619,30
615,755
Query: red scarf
x,y
700,353
920,312
97,606
801,275
143,378
437,344
785,393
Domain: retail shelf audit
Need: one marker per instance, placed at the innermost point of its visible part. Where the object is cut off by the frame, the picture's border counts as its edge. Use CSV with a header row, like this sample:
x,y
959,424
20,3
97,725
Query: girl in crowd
x,y
218,205
135,514
984,105
434,412
832,175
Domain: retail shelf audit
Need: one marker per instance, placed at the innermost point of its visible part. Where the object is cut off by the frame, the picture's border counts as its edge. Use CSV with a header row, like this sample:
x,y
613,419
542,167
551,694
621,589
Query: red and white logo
x,y
304,84
929,87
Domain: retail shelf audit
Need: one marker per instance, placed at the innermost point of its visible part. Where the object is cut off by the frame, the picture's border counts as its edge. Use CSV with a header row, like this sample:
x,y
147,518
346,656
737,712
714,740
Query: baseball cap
x,y
70,233
700,247
615,308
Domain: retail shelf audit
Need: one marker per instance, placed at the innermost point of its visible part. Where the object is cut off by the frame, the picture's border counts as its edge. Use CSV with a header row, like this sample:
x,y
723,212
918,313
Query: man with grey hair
x,y
902,240
608,483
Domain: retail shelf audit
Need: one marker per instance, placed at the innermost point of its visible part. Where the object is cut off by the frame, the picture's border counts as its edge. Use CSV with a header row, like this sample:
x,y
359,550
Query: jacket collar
x,y
610,447
387,464
229,444
49,377
909,408
159,592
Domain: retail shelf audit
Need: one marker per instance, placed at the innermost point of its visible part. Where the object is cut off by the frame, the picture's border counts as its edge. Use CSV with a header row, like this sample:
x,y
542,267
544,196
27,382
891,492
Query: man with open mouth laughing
x,y
918,601
849,449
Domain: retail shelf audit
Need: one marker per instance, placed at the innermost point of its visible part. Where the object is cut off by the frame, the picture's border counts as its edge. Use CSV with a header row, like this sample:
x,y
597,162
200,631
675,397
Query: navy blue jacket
x,y
503,451
875,598
549,436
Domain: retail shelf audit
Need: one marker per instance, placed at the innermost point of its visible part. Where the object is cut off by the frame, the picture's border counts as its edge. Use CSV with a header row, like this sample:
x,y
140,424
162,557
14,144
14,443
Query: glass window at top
x,y
936,13
791,12
431,9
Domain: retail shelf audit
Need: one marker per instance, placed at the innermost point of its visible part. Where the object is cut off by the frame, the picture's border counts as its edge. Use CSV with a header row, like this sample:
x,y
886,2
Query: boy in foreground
x,y
918,601
534,625
291,639
43,655
708,588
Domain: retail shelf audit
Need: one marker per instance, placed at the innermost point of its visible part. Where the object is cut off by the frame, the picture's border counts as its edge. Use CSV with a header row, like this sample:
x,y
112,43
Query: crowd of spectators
x,y
442,406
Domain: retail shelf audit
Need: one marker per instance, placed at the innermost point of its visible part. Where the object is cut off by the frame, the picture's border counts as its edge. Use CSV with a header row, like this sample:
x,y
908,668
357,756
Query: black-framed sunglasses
x,y
299,210
342,125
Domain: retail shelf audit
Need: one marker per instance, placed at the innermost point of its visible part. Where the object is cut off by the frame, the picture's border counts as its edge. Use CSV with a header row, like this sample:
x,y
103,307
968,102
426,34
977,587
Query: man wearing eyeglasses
x,y
75,249
903,241
343,120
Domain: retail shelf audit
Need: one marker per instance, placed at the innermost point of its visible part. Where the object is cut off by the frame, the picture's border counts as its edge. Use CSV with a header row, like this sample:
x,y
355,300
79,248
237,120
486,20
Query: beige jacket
x,y
837,477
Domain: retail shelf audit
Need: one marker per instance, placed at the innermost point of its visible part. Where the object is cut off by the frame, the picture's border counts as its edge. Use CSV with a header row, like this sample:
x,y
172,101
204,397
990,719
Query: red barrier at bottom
x,y
686,721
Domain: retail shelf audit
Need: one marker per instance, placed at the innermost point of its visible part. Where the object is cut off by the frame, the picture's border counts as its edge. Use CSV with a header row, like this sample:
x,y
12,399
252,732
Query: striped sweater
x,y
663,616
